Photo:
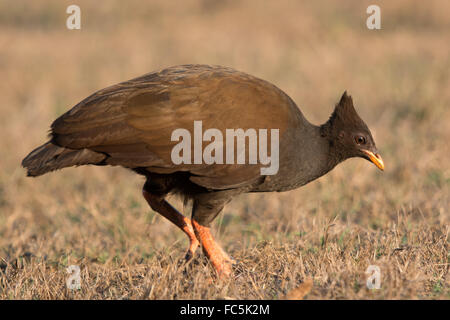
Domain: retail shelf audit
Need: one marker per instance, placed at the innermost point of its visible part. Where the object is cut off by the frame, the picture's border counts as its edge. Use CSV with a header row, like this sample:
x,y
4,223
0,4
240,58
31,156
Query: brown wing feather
x,y
133,121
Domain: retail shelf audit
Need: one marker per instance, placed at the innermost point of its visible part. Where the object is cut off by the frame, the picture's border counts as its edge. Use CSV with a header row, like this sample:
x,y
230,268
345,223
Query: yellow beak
x,y
375,158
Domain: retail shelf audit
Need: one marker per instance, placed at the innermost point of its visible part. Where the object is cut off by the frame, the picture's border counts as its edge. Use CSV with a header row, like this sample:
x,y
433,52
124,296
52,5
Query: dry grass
x,y
330,230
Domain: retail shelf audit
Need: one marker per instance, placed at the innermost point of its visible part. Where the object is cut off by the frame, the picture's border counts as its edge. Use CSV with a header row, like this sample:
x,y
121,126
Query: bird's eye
x,y
360,140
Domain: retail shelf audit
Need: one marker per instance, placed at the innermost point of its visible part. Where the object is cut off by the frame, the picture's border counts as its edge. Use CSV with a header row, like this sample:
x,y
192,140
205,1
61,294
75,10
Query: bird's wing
x,y
132,122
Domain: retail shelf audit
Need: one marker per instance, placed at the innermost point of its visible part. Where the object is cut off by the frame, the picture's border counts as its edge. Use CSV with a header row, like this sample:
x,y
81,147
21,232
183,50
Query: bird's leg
x,y
219,259
161,206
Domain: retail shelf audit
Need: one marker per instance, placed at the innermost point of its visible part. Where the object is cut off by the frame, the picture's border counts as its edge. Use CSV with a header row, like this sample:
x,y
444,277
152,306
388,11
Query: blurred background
x,y
313,50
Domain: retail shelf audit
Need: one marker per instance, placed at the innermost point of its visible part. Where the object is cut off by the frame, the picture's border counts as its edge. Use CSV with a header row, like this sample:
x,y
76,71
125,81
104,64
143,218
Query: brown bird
x,y
132,124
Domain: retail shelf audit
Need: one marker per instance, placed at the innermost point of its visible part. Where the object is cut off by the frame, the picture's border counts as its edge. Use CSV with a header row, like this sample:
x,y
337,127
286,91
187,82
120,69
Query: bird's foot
x,y
227,257
192,248
220,260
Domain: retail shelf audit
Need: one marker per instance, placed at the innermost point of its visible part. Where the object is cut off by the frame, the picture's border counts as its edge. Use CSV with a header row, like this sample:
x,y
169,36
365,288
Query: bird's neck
x,y
312,159
323,157
306,154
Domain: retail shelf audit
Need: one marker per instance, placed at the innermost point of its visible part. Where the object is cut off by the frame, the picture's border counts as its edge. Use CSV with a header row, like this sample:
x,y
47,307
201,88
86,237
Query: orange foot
x,y
193,242
219,259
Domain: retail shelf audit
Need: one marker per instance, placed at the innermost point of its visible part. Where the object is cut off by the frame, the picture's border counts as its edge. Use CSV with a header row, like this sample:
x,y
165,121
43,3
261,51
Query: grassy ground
x,y
329,231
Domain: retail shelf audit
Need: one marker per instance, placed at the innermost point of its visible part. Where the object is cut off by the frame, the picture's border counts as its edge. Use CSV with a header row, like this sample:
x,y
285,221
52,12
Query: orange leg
x,y
161,206
219,259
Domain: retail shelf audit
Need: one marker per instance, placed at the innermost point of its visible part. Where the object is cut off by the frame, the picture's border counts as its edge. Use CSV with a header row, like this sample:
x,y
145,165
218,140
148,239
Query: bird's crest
x,y
344,115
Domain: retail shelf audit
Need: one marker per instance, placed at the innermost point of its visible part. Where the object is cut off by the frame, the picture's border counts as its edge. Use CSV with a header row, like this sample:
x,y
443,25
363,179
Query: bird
x,y
131,124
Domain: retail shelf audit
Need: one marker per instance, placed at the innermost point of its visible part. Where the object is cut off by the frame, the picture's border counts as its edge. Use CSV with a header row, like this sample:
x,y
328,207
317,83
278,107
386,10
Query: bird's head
x,y
348,135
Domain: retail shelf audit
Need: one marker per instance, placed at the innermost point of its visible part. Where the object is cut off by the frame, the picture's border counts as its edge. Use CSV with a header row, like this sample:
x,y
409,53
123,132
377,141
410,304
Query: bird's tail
x,y
50,157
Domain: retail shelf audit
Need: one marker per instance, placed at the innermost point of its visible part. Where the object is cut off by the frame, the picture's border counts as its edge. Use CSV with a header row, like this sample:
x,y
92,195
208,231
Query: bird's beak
x,y
375,158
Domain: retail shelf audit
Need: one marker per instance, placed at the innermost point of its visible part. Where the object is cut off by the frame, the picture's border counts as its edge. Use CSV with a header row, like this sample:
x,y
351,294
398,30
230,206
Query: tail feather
x,y
50,157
